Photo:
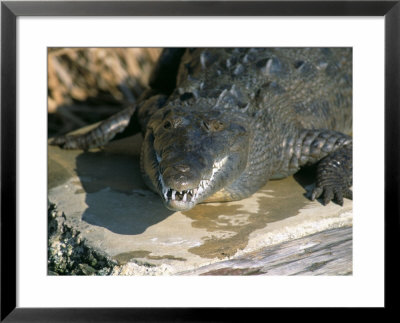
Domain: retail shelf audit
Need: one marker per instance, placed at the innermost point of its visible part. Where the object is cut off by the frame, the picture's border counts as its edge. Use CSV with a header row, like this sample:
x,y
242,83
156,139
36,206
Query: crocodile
x,y
218,123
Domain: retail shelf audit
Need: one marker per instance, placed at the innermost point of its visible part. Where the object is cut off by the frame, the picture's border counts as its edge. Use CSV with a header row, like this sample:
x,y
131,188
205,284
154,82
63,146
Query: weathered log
x,y
325,253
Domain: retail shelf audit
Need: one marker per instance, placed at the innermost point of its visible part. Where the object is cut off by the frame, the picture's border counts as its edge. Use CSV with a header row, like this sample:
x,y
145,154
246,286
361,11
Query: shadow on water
x,y
116,196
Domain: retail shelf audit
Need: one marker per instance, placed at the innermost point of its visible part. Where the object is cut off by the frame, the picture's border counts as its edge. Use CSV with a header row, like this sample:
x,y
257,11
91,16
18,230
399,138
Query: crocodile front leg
x,y
98,136
117,123
332,151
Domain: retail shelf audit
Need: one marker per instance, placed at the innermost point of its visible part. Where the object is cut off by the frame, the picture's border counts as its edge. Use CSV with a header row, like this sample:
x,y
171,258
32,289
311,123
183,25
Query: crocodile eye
x,y
167,124
213,125
216,125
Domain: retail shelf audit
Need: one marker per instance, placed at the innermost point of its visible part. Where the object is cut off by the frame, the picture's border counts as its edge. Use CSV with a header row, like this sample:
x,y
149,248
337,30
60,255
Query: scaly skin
x,y
239,117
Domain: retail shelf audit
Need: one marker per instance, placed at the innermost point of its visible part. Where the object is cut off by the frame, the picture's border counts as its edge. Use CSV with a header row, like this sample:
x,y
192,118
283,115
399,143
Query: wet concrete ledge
x,y
105,212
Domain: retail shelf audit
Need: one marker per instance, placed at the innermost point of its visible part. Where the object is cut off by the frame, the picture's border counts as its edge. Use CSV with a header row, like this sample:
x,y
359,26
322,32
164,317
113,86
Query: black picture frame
x,y
10,10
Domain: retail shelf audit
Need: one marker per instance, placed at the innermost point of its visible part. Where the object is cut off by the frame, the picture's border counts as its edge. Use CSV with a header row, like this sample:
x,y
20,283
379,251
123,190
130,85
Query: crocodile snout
x,y
181,168
181,177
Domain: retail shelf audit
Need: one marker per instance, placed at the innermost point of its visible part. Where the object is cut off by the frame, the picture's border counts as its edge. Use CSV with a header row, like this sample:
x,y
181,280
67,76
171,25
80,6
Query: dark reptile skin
x,y
294,104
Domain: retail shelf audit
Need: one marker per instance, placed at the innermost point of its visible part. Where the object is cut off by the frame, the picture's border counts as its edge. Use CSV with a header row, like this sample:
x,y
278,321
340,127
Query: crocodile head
x,y
187,155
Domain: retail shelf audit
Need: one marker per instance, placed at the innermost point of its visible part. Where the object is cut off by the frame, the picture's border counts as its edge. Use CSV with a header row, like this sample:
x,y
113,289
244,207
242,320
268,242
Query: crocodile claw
x,y
69,142
58,141
334,177
331,193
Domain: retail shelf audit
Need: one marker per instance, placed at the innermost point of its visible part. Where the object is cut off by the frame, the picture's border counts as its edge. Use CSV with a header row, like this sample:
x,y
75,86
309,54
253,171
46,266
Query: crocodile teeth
x,y
158,158
191,194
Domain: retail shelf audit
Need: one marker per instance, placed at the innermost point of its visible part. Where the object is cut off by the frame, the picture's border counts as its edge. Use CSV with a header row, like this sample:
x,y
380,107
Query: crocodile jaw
x,y
186,199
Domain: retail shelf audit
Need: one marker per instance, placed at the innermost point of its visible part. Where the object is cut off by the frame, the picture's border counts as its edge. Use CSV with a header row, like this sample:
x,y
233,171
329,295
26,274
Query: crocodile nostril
x,y
182,168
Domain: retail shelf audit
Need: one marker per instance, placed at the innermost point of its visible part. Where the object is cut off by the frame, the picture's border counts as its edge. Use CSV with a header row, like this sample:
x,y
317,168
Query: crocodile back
x,y
308,87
